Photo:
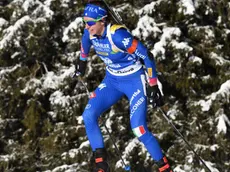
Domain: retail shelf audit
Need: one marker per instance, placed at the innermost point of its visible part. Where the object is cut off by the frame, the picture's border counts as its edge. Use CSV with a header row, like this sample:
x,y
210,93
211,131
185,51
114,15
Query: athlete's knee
x,y
89,116
140,131
143,134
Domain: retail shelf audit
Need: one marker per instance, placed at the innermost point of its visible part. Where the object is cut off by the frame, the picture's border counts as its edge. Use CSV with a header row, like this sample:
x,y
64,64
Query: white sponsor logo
x,y
130,58
125,71
140,55
91,9
115,65
126,41
107,61
101,86
135,107
121,71
100,45
134,95
88,106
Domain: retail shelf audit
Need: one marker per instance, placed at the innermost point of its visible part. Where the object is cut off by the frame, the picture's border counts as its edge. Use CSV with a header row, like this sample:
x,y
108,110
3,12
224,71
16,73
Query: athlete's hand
x,y
154,96
80,68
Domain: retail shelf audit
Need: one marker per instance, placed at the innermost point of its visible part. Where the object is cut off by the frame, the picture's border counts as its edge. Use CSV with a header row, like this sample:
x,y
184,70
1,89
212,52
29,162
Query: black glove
x,y
154,96
80,68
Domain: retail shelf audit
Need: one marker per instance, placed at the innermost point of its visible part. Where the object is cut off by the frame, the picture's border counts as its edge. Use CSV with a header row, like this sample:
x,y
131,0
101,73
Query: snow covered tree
x,y
41,105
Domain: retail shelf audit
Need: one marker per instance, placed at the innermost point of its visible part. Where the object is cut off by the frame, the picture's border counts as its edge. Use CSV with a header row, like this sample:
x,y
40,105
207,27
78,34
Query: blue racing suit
x,y
124,76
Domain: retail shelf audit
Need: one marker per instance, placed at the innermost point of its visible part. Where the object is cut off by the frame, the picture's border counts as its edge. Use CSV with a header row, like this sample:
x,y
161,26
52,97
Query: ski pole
x,y
178,132
126,167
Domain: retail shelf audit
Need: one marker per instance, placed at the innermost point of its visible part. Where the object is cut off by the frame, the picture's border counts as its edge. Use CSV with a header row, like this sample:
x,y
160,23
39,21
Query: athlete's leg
x,y
101,100
138,111
136,94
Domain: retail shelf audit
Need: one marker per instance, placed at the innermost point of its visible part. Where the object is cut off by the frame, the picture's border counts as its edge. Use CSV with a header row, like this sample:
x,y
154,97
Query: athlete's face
x,y
93,26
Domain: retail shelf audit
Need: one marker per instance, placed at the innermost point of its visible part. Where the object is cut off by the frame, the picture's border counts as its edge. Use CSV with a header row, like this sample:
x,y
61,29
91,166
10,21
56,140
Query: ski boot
x,y
100,158
164,165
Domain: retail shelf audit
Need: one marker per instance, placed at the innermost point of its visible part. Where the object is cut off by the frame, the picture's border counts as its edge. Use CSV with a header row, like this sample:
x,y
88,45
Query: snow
x,y
8,70
4,72
214,147
57,98
223,121
209,34
3,22
168,33
15,55
218,59
180,168
172,113
223,92
211,166
48,2
84,144
108,121
52,81
146,26
206,31
72,26
195,59
190,159
147,9
131,145
182,46
226,32
27,4
71,153
188,7
44,8
31,84
12,32
205,105
80,120
65,3
6,158
67,168
219,20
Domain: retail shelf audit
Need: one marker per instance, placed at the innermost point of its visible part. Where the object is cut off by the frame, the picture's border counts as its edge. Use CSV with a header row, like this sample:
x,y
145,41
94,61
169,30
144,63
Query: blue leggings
x,y
108,93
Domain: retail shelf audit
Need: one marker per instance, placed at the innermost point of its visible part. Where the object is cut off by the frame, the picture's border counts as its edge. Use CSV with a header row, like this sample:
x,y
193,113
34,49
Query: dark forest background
x,y
41,127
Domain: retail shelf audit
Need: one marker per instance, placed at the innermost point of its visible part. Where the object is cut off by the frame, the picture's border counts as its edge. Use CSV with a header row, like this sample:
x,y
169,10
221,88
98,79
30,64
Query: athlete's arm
x,y
125,41
85,48
85,45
